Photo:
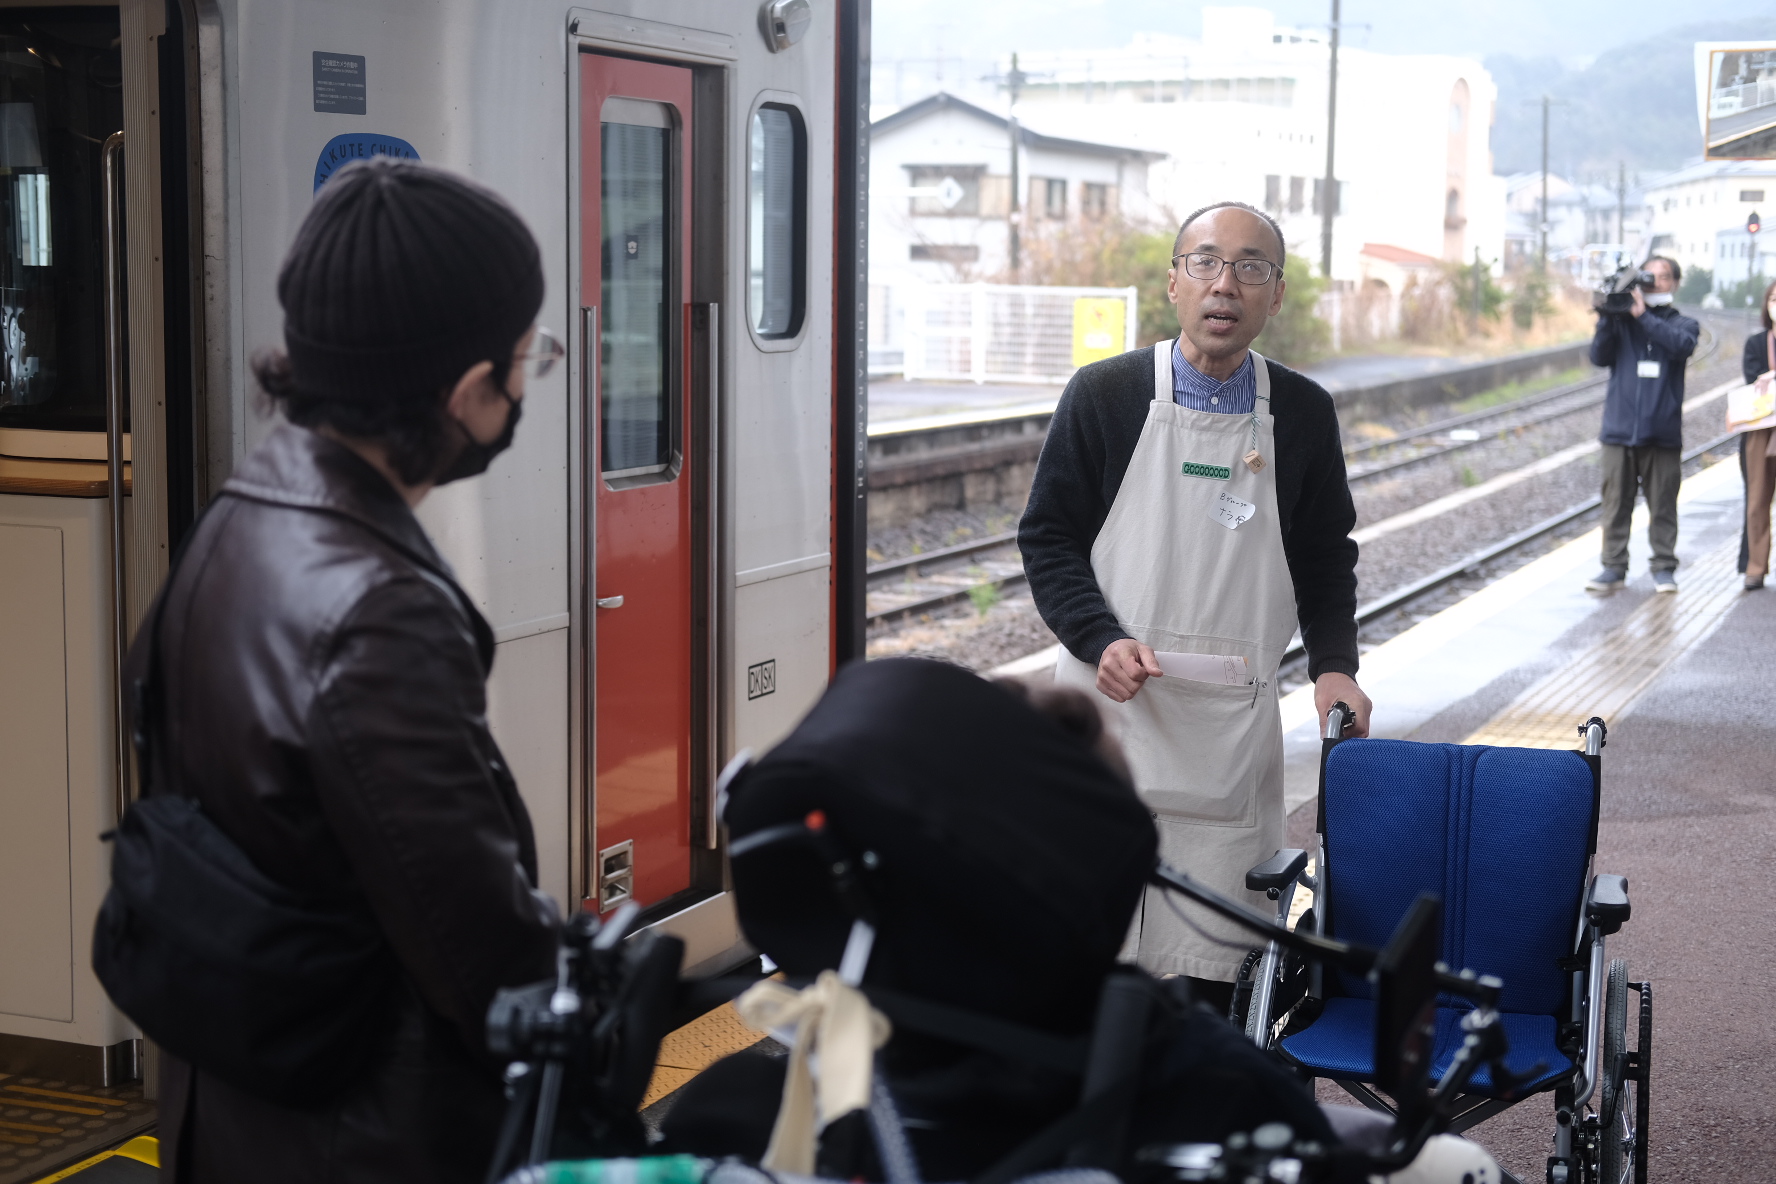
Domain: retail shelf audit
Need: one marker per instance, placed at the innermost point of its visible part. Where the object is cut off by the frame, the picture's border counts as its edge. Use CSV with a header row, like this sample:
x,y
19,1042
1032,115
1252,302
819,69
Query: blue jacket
x,y
1642,411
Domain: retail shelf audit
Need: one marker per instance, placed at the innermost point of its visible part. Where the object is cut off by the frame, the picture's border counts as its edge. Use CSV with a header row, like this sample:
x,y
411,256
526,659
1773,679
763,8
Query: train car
x,y
670,554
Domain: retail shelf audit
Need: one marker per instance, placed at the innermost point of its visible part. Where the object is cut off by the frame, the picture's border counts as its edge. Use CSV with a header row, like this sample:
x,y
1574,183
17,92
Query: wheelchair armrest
x,y
1277,871
1606,904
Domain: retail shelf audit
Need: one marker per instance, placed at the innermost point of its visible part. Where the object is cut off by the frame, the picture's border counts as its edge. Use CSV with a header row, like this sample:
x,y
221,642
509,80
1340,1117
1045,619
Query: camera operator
x,y
1645,347
323,689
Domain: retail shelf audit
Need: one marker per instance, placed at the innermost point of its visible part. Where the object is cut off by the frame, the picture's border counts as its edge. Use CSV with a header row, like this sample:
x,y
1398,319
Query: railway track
x,y
1459,432
1402,596
937,579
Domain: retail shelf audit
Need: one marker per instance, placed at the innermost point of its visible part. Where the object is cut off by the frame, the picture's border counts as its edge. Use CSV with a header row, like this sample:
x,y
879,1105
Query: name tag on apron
x,y
1216,668
1649,369
1230,511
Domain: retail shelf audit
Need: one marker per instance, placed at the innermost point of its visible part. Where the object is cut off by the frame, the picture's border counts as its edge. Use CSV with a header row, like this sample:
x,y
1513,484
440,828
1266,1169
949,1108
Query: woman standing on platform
x,y
321,694
1757,453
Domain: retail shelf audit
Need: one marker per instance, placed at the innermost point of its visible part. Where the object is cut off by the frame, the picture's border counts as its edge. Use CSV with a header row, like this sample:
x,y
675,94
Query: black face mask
x,y
475,456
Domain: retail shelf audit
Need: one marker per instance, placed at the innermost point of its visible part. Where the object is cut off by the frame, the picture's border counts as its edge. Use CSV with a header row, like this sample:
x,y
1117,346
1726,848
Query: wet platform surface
x,y
1686,685
891,400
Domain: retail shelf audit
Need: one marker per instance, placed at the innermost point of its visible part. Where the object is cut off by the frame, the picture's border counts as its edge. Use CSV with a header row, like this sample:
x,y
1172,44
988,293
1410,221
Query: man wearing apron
x,y
1189,509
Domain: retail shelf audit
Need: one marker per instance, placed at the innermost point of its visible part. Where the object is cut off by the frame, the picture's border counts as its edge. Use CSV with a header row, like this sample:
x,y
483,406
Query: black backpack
x,y
280,996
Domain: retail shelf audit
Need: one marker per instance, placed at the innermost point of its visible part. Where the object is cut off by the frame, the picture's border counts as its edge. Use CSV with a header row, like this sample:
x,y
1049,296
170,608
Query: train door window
x,y
636,264
777,223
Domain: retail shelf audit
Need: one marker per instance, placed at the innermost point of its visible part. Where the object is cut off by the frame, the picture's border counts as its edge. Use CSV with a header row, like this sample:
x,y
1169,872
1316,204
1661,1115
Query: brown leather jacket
x,y
325,703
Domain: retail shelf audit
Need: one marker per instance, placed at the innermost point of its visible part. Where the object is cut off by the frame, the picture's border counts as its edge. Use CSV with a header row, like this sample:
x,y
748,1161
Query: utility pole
x,y
1329,191
1014,82
1622,203
1544,257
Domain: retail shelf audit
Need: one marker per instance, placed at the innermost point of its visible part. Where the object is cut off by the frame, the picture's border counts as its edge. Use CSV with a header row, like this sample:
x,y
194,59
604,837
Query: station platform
x,y
1687,686
1689,808
1689,805
894,401
1523,661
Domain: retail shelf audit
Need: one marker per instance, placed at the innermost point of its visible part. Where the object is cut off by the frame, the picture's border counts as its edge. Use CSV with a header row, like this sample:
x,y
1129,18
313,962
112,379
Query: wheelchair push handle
x,y
1594,733
1339,720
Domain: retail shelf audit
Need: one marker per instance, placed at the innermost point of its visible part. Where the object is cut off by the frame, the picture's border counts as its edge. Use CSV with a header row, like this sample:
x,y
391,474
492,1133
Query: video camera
x,y
1615,295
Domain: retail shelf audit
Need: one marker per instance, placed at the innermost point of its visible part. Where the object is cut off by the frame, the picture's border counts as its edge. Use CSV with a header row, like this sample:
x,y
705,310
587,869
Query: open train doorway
x,y
96,365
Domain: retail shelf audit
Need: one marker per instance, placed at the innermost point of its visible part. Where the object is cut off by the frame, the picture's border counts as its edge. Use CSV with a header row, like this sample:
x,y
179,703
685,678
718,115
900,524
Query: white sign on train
x,y
1736,99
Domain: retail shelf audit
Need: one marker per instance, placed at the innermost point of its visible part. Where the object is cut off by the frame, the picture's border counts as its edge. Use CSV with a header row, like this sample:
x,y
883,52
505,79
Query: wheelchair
x,y
1507,838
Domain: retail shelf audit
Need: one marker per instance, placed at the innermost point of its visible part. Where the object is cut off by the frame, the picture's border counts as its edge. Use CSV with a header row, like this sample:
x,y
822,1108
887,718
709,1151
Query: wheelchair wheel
x,y
1618,1108
1238,1012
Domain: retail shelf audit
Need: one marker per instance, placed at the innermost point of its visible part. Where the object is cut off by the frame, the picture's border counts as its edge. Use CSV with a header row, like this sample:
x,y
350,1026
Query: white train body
x,y
694,471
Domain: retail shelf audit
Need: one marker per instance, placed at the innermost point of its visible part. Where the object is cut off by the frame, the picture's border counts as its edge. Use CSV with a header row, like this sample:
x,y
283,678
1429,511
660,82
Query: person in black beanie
x,y
323,679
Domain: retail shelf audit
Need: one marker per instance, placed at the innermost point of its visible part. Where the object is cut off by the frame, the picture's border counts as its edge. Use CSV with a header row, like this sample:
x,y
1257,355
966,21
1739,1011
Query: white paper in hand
x,y
1230,511
1751,407
1216,668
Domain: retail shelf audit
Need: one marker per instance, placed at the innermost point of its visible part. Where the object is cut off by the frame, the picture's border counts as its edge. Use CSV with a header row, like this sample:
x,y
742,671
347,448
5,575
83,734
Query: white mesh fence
x,y
1007,332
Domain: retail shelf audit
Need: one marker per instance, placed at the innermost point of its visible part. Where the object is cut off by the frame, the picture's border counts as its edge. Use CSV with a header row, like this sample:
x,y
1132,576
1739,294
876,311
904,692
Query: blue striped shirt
x,y
1193,389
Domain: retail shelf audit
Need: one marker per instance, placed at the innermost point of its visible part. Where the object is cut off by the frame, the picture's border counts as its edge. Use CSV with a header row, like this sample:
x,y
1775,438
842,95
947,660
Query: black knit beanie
x,y
401,278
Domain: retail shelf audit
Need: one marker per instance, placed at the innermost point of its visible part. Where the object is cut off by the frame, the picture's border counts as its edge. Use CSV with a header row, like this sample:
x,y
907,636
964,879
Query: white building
x,y
1739,255
941,184
1241,114
1687,210
941,176
1579,216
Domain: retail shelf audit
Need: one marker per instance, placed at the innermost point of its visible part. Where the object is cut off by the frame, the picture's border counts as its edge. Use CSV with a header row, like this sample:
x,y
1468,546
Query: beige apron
x,y
1207,758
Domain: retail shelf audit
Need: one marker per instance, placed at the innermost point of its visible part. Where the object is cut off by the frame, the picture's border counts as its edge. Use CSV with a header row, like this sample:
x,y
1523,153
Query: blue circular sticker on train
x,y
342,150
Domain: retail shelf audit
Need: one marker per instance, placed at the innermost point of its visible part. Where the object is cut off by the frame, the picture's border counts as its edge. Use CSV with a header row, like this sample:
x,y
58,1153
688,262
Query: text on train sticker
x,y
1194,468
353,146
761,679
1230,511
339,83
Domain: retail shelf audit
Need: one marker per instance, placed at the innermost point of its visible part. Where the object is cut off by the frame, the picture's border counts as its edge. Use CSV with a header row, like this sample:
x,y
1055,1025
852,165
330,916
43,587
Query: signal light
x,y
1752,224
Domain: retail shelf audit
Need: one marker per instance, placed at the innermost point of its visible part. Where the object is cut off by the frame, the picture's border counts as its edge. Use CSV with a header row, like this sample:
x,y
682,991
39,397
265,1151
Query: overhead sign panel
x,y
1736,99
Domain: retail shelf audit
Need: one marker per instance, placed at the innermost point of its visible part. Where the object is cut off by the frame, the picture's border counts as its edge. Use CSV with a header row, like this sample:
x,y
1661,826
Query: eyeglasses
x,y
545,350
1200,265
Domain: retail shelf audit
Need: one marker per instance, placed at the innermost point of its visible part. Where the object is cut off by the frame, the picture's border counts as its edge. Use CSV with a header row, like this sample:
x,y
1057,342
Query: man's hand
x,y
1639,302
1329,688
1127,664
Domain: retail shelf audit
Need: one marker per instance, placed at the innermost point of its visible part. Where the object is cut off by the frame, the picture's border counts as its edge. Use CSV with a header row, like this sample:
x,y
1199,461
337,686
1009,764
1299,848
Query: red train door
x,y
635,267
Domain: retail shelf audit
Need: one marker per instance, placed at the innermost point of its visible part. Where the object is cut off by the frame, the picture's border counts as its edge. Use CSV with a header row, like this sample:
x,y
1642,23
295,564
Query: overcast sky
x,y
1573,30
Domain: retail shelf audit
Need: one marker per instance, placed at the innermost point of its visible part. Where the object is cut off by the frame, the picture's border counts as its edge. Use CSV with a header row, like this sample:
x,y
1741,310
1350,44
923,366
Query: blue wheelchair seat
x,y
1341,1043
1503,836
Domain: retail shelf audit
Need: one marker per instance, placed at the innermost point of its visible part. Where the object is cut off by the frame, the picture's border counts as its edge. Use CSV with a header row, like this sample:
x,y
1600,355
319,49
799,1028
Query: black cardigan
x,y
1090,442
1756,358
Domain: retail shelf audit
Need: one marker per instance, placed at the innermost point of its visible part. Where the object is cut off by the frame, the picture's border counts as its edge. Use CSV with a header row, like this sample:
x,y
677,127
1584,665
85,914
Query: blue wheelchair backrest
x,y
1503,835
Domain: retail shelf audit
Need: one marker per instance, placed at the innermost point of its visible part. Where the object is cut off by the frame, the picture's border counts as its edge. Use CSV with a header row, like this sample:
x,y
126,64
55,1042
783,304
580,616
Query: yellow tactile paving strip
x,y
144,1149
43,1123
689,1050
1606,679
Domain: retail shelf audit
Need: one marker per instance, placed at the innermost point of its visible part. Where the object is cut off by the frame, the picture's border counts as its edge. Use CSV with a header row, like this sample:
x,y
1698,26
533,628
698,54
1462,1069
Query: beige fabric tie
x,y
837,1022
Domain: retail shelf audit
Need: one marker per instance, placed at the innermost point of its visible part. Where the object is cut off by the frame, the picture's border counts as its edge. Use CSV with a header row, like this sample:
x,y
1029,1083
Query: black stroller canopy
x,y
1009,857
